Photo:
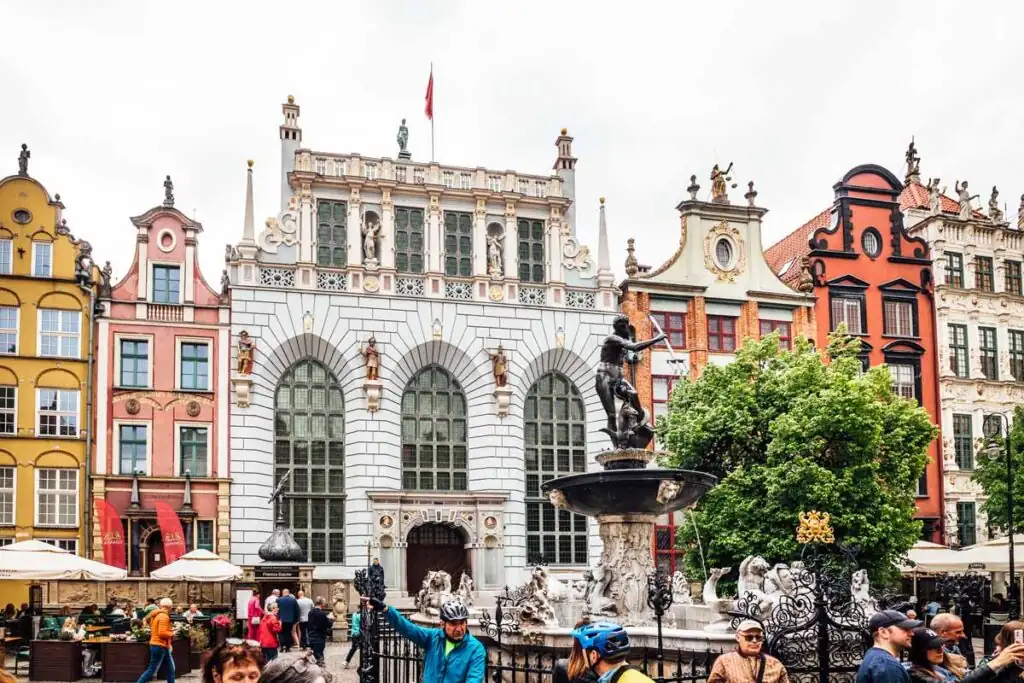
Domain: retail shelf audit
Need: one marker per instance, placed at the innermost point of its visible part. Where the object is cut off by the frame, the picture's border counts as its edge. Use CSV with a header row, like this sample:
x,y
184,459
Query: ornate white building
x,y
980,320
436,460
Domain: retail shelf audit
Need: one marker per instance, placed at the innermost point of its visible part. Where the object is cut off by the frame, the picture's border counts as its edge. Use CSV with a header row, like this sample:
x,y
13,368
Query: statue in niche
x,y
403,137
934,196
632,429
499,367
371,229
494,247
995,214
719,179
372,356
965,199
246,348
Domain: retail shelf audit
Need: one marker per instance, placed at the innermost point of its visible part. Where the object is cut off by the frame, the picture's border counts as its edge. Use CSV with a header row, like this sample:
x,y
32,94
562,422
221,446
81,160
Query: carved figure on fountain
x,y
627,558
720,607
631,429
435,591
680,590
536,607
860,591
753,570
465,590
599,600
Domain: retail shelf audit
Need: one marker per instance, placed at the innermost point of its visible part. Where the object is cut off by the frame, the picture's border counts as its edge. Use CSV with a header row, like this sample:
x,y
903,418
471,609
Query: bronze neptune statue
x,y
631,429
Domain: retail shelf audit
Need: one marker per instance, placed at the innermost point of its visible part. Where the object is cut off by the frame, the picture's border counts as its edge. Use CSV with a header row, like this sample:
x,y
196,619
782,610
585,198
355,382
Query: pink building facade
x,y
162,378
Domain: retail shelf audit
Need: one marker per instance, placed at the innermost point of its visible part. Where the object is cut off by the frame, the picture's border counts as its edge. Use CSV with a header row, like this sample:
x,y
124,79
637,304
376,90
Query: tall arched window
x,y
309,439
434,456
556,445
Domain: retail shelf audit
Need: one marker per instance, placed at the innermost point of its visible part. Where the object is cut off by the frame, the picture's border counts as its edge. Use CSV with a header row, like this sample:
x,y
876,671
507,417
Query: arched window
x,y
556,445
309,439
434,456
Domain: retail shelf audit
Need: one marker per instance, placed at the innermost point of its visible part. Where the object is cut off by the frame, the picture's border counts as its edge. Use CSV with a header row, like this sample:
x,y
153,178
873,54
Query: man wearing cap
x,y
891,632
747,664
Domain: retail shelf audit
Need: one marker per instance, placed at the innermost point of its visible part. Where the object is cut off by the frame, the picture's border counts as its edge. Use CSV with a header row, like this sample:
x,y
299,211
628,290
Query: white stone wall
x,y
403,329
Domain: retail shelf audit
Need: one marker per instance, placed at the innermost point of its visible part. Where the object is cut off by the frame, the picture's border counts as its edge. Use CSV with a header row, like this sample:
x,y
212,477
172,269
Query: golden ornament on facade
x,y
815,528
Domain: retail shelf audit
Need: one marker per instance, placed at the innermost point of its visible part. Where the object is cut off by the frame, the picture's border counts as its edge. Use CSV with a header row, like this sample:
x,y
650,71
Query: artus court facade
x,y
411,329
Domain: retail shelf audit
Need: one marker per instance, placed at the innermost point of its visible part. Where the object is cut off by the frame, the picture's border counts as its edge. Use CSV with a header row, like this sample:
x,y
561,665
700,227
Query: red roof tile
x,y
793,246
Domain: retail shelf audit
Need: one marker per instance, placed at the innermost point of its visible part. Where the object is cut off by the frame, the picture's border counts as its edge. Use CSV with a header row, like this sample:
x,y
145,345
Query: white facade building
x,y
434,465
980,321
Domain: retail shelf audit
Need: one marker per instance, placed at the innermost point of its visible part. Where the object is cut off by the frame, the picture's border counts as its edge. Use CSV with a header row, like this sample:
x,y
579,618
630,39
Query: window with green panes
x,y
194,445
204,535
409,240
458,244
332,234
309,440
195,366
555,436
434,453
531,250
132,449
134,363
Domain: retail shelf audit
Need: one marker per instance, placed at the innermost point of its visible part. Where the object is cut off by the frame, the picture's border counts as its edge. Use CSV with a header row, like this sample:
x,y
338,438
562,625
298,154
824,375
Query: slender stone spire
x,y
604,258
249,232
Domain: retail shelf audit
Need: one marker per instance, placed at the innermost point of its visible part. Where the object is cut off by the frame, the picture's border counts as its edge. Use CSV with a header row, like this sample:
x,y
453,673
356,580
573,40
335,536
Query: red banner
x,y
112,534
429,109
170,531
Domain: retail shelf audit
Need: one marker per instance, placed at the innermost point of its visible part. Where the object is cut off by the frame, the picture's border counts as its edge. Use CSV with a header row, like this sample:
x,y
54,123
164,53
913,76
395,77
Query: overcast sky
x,y
112,96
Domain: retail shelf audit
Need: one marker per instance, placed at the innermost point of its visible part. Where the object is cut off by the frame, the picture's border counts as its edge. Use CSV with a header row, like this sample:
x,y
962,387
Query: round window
x,y
723,253
872,243
22,216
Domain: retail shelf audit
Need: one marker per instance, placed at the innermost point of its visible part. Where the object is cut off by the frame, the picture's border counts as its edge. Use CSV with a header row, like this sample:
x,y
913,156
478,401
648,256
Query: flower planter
x,y
55,660
220,635
125,661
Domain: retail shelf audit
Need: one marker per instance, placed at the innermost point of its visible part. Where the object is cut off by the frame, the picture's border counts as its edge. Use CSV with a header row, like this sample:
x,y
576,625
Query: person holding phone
x,y
928,662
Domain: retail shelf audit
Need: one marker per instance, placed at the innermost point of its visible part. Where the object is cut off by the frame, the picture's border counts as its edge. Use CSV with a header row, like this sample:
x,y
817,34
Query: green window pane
x,y
409,240
332,234
433,434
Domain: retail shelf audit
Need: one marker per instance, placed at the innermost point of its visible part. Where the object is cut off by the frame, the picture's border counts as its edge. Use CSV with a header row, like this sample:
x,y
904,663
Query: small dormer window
x,y
166,284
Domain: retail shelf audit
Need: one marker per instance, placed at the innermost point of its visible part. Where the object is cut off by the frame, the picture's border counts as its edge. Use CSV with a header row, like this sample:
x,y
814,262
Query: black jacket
x,y
981,674
560,674
318,626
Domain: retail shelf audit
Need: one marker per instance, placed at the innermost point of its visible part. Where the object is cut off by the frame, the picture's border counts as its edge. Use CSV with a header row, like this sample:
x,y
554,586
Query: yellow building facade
x,y
45,342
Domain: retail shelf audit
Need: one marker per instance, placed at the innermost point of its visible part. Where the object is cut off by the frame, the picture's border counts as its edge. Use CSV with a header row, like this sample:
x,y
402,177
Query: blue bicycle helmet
x,y
607,638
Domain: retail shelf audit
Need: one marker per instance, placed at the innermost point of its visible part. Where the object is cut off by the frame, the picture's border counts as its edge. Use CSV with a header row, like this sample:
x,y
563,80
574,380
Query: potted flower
x,y
199,640
221,626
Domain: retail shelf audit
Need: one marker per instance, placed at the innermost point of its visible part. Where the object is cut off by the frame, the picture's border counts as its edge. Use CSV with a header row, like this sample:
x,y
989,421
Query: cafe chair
x,y
22,654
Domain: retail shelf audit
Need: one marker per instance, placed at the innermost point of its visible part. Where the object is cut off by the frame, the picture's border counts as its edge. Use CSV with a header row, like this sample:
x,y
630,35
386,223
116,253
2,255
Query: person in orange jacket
x,y
160,638
270,626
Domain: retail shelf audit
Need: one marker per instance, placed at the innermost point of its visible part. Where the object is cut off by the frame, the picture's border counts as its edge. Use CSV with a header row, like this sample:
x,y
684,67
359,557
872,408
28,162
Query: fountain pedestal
x,y
626,498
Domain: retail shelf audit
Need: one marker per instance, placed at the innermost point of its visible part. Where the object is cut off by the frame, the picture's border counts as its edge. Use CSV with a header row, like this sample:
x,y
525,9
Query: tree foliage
x,y
990,473
787,432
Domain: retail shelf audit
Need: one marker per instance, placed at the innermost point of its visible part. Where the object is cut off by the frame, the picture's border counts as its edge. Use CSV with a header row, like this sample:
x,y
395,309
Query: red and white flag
x,y
170,531
429,108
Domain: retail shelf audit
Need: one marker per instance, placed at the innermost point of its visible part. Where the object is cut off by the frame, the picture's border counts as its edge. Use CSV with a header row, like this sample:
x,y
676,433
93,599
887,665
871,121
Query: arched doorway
x,y
151,547
432,547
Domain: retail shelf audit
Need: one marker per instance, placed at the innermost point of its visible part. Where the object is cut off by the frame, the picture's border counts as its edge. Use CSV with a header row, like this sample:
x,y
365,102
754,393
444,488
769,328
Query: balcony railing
x,y
167,313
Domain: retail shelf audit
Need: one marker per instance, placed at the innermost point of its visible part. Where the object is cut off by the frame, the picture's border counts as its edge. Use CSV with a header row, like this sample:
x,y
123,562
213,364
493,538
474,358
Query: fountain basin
x,y
654,491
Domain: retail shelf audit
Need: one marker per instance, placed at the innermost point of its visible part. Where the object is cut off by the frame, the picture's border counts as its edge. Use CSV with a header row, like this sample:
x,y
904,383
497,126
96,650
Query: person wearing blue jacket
x,y
288,613
450,654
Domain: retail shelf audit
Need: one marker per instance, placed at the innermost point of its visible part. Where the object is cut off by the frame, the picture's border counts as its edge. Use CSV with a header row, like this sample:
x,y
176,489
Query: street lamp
x,y
992,426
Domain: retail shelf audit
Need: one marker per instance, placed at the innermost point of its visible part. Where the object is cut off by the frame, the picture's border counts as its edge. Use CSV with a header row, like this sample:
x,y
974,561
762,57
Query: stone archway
x,y
433,546
151,549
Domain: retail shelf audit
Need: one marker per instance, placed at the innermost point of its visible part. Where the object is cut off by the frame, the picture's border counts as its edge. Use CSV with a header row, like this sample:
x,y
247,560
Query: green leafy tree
x,y
990,473
787,432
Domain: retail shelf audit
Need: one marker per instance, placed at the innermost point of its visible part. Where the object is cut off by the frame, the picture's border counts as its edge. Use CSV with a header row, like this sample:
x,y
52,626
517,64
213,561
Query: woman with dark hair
x,y
928,660
234,661
575,669
295,667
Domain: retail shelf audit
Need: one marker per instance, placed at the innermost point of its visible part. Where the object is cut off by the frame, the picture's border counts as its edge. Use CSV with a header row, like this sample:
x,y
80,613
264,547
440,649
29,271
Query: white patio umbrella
x,y
928,557
995,554
198,565
37,561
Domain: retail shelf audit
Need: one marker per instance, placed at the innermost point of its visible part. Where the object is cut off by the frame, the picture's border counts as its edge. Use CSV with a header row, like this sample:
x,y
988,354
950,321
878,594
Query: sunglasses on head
x,y
753,638
240,641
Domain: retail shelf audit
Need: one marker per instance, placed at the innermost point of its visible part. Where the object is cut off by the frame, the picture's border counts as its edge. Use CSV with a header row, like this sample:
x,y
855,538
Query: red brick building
x,y
868,272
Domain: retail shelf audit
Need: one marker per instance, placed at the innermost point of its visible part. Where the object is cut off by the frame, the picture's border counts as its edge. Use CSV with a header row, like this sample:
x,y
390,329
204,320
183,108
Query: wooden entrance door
x,y
433,547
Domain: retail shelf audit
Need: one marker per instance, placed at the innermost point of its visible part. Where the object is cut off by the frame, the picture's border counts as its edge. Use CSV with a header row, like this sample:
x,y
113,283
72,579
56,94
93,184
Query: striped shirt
x,y
735,668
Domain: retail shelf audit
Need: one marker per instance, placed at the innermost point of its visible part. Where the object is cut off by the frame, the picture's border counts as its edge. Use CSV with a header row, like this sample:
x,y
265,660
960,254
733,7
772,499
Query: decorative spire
x,y
604,258
249,230
23,160
135,502
913,164
168,192
751,195
186,502
694,188
632,267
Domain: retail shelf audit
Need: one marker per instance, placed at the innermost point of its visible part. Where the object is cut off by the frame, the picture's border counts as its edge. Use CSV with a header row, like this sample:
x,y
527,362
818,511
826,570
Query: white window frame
x,y
14,411
418,176
117,444
524,186
59,334
448,179
62,543
17,331
370,170
494,183
151,264
541,189
894,369
466,181
848,304
14,496
118,338
178,341
898,306
6,266
178,426
401,173
57,492
58,413
35,246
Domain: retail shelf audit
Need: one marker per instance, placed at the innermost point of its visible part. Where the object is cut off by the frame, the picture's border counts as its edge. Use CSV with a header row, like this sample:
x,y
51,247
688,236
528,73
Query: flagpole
x,y
432,157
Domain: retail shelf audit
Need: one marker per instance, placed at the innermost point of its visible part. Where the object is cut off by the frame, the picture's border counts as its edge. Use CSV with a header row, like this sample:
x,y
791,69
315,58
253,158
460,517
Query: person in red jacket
x,y
270,626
